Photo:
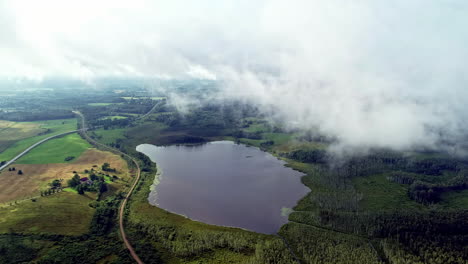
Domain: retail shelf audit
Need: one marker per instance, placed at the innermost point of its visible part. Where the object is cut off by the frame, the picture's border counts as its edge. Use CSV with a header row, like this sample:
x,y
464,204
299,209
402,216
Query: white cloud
x,y
370,72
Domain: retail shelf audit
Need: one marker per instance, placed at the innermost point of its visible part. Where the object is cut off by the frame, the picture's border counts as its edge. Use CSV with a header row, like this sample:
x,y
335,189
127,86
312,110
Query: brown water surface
x,y
224,183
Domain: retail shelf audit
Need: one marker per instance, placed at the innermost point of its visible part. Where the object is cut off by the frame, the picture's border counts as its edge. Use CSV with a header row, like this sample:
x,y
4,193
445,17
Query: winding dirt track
x,y
124,202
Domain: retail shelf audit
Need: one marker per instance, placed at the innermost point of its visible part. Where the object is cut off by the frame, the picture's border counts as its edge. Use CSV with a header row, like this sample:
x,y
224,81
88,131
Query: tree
x,y
93,177
80,189
105,166
102,187
20,172
55,183
75,181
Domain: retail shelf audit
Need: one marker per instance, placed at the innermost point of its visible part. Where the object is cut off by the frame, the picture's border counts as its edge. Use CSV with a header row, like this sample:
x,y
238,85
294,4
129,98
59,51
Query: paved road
x,y
33,146
124,203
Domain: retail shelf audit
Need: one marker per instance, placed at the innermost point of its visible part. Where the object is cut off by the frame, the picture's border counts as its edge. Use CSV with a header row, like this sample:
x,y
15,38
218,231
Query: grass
x,y
110,135
455,199
382,194
145,97
102,104
56,150
62,213
114,117
278,138
52,127
10,132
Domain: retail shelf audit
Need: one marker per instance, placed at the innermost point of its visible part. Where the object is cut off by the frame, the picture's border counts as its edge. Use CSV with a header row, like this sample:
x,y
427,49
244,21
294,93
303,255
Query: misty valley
x,y
233,132
216,181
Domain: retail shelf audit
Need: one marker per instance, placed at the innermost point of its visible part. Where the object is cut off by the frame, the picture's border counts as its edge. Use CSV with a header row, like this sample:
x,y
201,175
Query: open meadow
x,y
28,133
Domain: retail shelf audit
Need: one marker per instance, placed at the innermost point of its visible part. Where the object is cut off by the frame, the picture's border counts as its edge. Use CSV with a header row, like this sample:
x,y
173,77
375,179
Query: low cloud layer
x,y
371,73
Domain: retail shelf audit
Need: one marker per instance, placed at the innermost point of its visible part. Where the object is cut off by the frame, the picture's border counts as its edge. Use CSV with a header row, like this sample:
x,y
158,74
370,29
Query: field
x,y
381,194
145,97
47,128
455,199
11,132
56,150
62,213
108,136
114,117
101,104
36,176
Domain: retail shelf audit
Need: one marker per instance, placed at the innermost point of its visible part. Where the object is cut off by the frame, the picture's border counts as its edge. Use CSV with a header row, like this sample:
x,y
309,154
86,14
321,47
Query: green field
x,y
56,150
102,104
62,213
52,127
114,117
67,214
382,194
108,136
139,98
455,199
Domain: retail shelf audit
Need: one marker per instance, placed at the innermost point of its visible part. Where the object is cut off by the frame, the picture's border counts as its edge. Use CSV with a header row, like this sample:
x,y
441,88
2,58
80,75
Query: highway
x,y
33,146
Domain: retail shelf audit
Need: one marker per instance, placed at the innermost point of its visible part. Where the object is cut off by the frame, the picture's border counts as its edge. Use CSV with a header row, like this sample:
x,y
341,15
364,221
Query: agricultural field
x,y
102,104
108,136
114,117
11,132
61,213
42,129
56,150
36,177
24,209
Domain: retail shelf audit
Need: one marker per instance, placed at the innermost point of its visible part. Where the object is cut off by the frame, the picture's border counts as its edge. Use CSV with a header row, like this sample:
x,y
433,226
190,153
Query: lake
x,y
223,183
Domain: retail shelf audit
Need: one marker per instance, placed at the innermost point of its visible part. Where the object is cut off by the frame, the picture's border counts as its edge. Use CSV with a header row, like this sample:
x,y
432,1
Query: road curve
x,y
33,146
124,202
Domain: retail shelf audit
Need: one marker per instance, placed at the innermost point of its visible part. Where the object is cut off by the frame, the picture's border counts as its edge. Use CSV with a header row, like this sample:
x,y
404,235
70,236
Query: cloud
x,y
370,73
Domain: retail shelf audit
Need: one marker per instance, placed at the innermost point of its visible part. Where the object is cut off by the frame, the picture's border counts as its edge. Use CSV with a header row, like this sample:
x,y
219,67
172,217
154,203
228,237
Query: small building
x,y
86,180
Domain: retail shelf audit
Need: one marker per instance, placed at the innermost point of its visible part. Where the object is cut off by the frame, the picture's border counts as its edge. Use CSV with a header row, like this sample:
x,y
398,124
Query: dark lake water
x,y
223,183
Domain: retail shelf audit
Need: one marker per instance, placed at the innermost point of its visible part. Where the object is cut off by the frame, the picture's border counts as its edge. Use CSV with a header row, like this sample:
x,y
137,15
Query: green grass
x,y
145,97
259,127
114,117
110,135
70,190
62,213
102,104
53,127
278,138
56,150
455,199
382,194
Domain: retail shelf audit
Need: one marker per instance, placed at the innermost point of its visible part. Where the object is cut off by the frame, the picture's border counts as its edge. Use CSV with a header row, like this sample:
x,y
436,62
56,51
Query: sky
x,y
372,73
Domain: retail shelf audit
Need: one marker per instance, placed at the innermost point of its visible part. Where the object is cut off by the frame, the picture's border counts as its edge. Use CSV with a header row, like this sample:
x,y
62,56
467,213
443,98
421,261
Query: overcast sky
x,y
371,72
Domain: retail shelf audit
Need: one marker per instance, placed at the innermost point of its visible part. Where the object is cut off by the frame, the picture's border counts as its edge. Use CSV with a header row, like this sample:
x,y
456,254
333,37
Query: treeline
x,y
315,245
36,115
308,156
428,193
414,234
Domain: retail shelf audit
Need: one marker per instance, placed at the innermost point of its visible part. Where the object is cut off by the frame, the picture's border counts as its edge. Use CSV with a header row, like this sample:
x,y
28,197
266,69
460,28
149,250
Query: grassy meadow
x,y
62,213
56,150
46,129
